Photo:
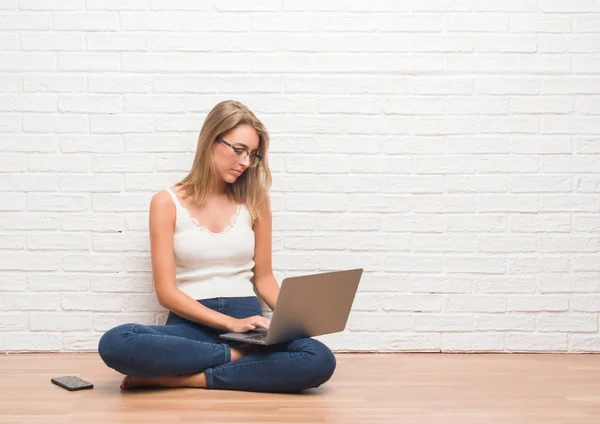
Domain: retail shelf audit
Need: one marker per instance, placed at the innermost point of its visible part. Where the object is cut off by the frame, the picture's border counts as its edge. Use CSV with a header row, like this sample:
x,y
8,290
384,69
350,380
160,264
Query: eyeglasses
x,y
242,154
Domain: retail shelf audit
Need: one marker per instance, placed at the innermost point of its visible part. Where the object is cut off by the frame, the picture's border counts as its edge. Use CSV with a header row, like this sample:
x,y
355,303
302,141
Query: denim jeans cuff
x,y
227,353
208,373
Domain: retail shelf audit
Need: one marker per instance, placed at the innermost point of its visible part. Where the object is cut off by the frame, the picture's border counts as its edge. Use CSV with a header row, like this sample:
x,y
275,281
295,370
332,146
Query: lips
x,y
236,172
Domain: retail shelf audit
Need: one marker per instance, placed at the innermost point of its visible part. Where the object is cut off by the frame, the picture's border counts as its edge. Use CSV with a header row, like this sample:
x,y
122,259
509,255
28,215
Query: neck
x,y
219,188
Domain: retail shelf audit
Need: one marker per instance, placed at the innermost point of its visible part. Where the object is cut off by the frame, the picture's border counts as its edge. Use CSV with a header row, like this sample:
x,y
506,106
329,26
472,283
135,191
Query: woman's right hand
x,y
243,325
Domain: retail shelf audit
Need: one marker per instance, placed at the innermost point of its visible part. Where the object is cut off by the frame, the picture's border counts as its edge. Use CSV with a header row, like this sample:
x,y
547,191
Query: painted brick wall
x,y
449,147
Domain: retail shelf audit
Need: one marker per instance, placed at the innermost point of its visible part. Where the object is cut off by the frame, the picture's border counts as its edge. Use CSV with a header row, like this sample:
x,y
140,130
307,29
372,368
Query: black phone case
x,y
71,383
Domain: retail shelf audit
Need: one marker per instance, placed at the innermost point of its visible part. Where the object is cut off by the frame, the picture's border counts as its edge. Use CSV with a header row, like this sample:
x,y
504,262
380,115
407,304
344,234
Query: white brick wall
x,y
449,147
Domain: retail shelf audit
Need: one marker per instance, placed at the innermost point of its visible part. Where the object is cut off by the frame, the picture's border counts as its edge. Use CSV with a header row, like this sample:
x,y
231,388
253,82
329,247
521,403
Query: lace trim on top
x,y
195,222
232,221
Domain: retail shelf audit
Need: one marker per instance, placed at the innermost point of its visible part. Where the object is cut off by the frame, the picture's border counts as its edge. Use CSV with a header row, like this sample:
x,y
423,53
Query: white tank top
x,y
213,264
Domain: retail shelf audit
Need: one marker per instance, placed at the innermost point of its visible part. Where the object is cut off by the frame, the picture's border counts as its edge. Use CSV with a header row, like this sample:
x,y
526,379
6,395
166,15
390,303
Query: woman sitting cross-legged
x,y
210,240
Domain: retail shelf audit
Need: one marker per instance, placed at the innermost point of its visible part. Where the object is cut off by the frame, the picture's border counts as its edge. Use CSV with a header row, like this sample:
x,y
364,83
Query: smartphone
x,y
71,382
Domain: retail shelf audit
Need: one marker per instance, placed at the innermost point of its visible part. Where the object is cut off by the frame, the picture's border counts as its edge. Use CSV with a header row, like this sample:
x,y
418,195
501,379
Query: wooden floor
x,y
366,388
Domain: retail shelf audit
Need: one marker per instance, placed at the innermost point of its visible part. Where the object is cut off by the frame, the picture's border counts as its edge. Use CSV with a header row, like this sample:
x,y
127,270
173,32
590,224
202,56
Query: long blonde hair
x,y
252,186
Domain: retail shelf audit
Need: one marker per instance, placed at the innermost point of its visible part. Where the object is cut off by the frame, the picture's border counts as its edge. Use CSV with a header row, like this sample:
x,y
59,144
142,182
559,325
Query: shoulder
x,y
264,200
264,206
161,200
162,214
162,206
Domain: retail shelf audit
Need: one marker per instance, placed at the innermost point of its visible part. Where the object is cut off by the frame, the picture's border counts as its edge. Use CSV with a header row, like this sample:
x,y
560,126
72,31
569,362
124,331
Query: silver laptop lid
x,y
312,305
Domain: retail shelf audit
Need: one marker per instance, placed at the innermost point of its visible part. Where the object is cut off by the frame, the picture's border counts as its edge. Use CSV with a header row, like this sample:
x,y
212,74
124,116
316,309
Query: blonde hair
x,y
252,186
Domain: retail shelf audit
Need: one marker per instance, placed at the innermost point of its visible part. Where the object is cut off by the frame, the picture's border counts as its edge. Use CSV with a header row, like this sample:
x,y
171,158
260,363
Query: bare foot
x,y
192,380
243,350
236,354
130,382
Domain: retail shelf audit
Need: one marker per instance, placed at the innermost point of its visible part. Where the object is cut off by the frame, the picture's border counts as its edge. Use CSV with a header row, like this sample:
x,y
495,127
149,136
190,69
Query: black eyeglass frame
x,y
239,150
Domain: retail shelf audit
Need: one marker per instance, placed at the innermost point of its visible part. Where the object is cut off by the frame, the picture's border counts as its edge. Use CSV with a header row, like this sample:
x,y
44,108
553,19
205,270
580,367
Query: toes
x,y
125,384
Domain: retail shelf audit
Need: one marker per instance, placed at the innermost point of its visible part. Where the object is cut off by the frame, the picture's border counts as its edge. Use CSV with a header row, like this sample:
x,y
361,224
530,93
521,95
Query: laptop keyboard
x,y
259,336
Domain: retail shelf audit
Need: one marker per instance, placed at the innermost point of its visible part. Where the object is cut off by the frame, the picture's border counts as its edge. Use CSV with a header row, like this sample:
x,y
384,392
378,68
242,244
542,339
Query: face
x,y
226,160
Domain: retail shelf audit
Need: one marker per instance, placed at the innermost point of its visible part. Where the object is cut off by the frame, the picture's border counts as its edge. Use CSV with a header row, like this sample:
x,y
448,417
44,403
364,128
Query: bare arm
x,y
263,280
162,227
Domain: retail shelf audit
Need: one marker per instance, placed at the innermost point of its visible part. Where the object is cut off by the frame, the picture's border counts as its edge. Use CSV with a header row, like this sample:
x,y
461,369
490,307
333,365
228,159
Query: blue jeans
x,y
183,347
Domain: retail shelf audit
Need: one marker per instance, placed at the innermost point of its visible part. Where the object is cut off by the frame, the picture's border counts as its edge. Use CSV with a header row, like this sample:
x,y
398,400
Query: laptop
x,y
307,306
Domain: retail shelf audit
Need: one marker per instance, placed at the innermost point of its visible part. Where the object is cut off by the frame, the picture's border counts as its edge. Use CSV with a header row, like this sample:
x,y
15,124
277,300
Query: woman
x,y
210,240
